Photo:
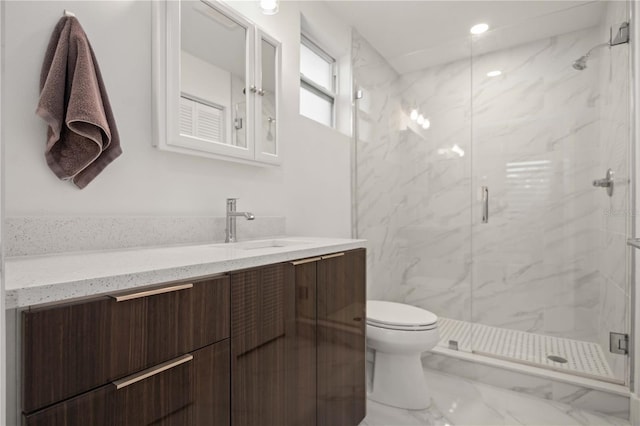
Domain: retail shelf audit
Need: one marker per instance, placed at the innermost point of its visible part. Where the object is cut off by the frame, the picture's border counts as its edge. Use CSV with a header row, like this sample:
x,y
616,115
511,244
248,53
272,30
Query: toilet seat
x,y
398,316
403,328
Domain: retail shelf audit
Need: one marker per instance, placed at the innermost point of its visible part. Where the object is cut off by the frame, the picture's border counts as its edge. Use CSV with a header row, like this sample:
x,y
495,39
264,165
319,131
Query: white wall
x,y
311,188
317,159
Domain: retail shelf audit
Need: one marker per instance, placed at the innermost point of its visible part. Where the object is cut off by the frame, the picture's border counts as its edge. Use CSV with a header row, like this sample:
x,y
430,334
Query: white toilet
x,y
399,334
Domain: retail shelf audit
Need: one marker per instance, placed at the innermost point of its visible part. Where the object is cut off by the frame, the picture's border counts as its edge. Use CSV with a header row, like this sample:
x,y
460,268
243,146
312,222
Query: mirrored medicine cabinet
x,y
216,83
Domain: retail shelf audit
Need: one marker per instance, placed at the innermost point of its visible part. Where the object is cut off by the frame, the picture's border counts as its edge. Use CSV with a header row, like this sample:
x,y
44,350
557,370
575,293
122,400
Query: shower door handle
x,y
485,204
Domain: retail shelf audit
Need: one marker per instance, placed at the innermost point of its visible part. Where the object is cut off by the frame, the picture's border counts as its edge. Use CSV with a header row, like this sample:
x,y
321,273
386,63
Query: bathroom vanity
x,y
278,342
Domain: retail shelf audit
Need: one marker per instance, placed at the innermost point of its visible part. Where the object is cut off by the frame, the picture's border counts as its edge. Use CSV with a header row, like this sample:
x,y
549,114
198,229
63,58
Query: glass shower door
x,y
412,179
550,262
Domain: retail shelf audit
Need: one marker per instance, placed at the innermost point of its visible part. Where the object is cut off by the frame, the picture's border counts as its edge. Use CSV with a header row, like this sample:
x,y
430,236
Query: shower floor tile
x,y
585,359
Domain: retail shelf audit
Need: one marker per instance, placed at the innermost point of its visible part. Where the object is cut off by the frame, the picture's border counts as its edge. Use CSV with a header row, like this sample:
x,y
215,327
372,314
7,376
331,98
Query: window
x,y
317,83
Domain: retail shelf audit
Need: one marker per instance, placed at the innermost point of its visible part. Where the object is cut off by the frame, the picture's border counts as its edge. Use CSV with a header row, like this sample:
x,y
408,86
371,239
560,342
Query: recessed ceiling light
x,y
269,7
420,119
479,28
414,114
426,124
494,73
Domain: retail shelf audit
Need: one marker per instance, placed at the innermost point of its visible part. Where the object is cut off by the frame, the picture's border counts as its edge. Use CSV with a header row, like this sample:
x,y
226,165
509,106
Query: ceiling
x,y
414,35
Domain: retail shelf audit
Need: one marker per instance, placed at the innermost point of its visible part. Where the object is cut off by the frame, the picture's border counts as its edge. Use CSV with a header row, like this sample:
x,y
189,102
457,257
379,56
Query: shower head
x,y
580,63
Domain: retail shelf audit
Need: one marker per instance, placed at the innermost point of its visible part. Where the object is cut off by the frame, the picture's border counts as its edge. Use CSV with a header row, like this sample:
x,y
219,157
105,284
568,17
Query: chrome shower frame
x,y
634,161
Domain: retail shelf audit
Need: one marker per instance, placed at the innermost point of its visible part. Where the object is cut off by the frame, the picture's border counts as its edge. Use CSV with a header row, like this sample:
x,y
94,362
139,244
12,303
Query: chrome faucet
x,y
232,214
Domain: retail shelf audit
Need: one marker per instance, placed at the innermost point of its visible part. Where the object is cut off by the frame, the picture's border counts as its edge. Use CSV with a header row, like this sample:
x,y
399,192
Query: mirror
x,y
268,117
216,78
213,105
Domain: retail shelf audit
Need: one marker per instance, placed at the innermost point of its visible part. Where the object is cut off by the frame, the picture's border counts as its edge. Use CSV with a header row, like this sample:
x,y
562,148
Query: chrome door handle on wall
x,y
485,204
607,182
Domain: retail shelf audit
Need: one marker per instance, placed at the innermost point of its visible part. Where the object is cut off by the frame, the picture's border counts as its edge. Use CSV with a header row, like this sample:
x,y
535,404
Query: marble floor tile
x,y
460,402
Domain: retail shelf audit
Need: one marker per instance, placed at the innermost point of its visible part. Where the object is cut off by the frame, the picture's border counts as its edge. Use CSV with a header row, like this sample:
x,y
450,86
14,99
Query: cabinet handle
x,y
261,92
144,374
303,261
253,88
145,293
331,256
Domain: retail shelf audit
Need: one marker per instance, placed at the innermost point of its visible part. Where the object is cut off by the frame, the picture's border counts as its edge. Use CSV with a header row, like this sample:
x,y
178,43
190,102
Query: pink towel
x,y
82,138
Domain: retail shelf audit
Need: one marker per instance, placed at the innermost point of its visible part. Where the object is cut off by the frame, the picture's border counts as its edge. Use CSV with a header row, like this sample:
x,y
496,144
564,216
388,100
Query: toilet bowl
x,y
399,334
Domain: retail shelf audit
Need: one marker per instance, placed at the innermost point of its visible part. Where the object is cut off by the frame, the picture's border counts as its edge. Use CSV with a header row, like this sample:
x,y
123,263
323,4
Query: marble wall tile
x,y
413,191
541,133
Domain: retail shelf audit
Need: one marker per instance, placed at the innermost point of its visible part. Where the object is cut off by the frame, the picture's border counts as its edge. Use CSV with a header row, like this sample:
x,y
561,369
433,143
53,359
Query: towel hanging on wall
x,y
82,138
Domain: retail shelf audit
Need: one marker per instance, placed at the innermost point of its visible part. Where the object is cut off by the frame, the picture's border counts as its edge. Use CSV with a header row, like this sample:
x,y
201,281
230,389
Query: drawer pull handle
x,y
331,256
144,374
303,261
124,297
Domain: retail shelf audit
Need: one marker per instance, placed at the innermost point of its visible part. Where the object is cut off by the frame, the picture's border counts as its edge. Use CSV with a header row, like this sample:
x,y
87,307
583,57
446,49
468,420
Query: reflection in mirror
x,y
213,106
268,118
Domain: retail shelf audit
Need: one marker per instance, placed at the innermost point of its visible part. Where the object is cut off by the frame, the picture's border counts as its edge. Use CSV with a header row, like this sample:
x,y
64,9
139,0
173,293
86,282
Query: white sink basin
x,y
266,244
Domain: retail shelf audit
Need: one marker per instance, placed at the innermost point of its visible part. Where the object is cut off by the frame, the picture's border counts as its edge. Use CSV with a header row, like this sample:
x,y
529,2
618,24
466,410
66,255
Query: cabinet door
x,y
302,388
210,311
212,384
261,307
341,344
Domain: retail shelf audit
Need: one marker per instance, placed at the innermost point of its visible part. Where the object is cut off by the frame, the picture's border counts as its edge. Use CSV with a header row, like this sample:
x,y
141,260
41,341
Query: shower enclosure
x,y
494,189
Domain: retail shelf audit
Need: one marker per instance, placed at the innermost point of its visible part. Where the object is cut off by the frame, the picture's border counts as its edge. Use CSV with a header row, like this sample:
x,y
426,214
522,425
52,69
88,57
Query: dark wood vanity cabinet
x,y
76,356
341,343
260,345
280,345
193,390
298,342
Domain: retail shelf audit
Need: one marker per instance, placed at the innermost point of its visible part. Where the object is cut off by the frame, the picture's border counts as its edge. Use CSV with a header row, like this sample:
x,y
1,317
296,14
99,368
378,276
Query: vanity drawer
x,y
152,395
190,390
74,347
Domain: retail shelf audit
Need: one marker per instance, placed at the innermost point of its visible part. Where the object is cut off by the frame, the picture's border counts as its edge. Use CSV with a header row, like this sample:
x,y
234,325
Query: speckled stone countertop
x,y
32,280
